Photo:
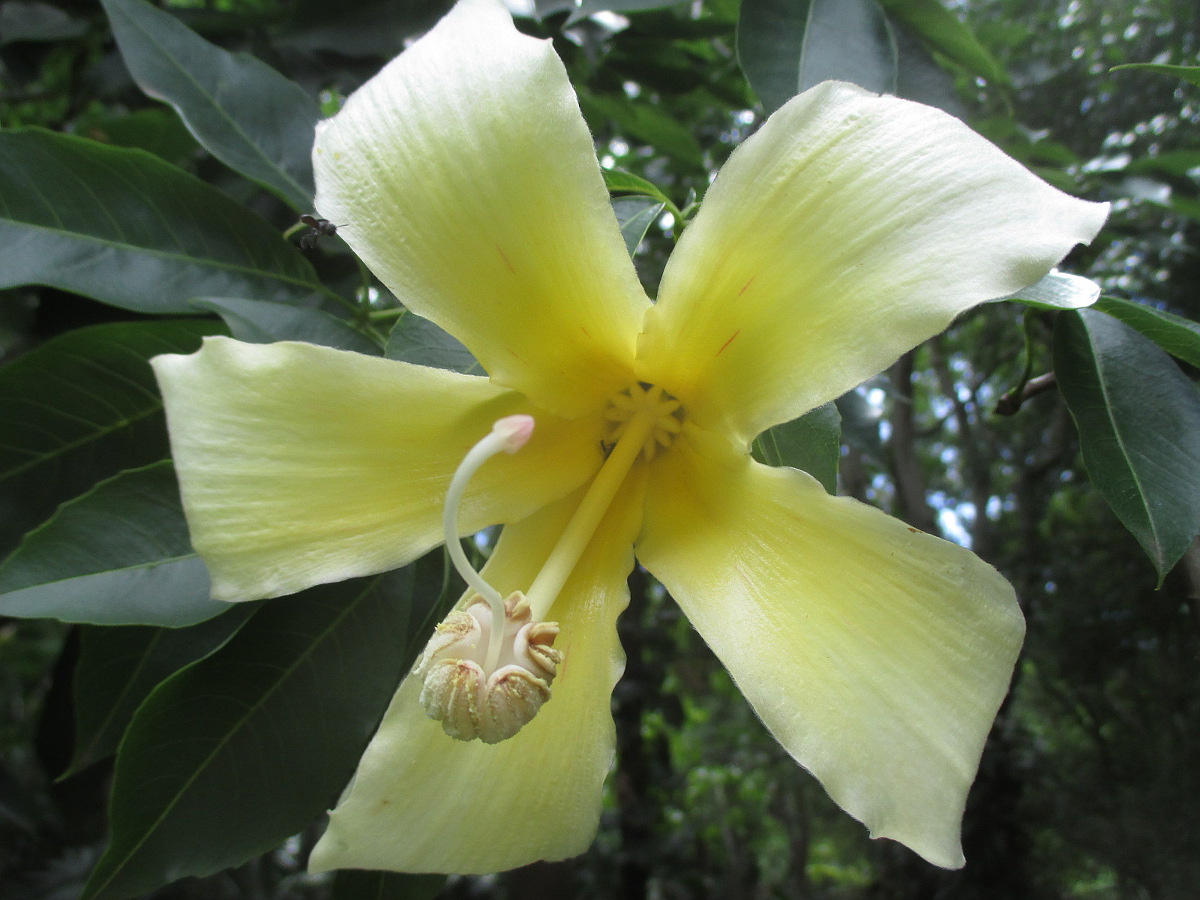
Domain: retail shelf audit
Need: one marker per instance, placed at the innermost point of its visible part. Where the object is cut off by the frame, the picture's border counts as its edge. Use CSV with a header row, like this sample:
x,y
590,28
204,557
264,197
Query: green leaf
x,y
356,885
621,182
124,227
1178,336
647,123
31,21
1187,73
245,113
261,322
787,46
635,215
119,667
235,753
158,131
118,555
419,341
80,408
1138,417
812,443
1175,163
1058,290
920,78
943,33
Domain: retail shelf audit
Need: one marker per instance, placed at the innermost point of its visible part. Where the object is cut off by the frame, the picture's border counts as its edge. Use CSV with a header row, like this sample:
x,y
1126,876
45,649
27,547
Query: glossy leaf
x,y
1178,336
125,227
942,32
1138,417
232,755
118,667
417,340
787,46
811,443
635,216
1059,290
80,408
118,555
261,322
245,113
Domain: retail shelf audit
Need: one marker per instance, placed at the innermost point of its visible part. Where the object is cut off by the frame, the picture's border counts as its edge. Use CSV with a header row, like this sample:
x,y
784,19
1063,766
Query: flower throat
x,y
488,668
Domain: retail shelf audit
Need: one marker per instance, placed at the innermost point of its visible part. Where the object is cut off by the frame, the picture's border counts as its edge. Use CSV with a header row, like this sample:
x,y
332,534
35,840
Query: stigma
x,y
470,695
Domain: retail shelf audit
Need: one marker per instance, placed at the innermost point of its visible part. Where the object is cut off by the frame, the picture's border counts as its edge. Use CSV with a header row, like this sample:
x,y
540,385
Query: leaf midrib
x,y
257,151
220,745
1120,439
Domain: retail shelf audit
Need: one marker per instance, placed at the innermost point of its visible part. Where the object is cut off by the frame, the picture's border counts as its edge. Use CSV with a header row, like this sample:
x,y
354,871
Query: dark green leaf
x,y
1187,73
118,667
354,885
635,216
235,753
80,408
354,29
1178,336
158,131
943,33
1138,417
118,555
920,78
419,341
127,228
812,443
261,322
27,21
787,46
245,113
1059,290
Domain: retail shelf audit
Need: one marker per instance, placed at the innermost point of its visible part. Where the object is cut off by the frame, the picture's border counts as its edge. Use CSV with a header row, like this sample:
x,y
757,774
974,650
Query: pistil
x,y
508,435
640,419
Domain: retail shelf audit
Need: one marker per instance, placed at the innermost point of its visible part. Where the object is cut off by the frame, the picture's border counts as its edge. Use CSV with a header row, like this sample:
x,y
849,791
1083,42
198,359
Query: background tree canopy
x,y
154,160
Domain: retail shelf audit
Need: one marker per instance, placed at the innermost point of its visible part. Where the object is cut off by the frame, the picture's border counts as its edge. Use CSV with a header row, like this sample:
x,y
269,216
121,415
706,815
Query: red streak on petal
x,y
746,285
504,257
730,341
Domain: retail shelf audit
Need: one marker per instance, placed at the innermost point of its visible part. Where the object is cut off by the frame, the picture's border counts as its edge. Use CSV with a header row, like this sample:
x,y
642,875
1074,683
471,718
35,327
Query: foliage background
x,y
1090,781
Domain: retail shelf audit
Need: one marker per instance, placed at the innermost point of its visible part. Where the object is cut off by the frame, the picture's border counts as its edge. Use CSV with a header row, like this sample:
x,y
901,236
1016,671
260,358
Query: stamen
x,y
633,435
508,435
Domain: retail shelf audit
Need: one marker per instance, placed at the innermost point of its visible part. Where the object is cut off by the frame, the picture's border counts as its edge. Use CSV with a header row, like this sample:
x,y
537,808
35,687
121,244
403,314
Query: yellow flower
x,y
847,230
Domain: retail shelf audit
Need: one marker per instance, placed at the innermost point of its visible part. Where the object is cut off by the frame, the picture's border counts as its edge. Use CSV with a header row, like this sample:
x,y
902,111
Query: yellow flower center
x,y
647,402
477,684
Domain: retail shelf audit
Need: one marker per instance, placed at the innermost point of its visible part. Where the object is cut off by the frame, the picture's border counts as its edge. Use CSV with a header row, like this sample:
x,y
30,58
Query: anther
x,y
493,703
487,669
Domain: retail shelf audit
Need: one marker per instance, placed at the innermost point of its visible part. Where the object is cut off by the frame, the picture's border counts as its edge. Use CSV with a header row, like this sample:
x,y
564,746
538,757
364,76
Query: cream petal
x,y
464,176
301,465
849,229
424,802
876,654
